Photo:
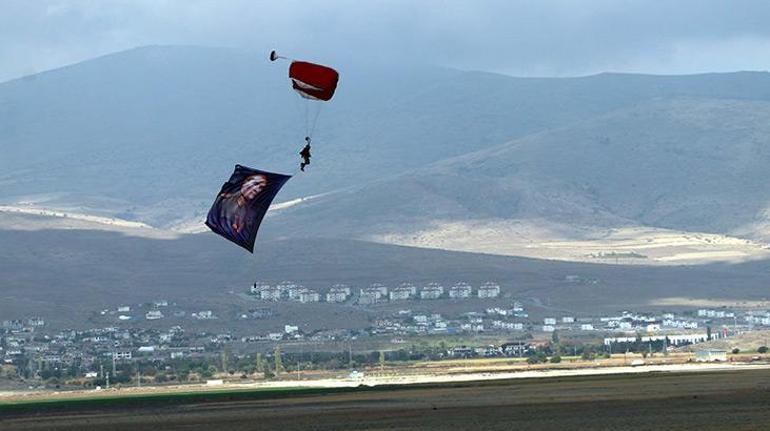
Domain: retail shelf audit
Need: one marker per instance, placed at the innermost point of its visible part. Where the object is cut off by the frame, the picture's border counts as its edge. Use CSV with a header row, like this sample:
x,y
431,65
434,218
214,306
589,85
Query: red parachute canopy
x,y
313,81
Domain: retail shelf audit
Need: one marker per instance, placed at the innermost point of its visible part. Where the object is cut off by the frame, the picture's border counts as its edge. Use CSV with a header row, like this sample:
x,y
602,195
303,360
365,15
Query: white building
x,y
337,295
489,290
124,309
411,287
567,320
586,327
307,296
381,287
204,315
548,328
290,329
258,287
270,294
400,294
549,321
431,292
369,296
460,291
711,356
153,315
126,354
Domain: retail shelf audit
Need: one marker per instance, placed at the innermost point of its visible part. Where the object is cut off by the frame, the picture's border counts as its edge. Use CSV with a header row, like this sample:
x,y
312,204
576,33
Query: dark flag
x,y
242,203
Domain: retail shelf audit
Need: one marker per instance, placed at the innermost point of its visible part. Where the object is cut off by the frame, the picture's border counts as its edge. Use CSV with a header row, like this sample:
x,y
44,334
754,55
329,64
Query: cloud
x,y
528,38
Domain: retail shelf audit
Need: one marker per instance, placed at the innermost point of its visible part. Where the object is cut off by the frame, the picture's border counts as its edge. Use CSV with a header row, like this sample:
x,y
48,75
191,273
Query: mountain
x,y
682,166
149,134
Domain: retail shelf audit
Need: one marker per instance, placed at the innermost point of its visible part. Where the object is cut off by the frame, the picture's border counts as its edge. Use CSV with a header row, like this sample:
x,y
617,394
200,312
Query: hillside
x,y
68,275
687,174
150,133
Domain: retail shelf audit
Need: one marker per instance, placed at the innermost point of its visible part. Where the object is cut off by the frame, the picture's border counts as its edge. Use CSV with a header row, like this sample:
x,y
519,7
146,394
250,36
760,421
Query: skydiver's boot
x,y
302,166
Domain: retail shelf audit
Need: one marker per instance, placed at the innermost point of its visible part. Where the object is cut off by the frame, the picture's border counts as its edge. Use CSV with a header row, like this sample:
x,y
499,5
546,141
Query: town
x,y
125,352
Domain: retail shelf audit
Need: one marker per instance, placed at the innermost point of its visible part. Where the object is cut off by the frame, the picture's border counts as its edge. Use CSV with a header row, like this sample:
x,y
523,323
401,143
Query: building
x,y
258,287
119,355
711,356
153,315
431,292
489,290
586,327
204,315
548,328
270,294
369,296
549,321
35,321
567,320
124,309
400,294
460,291
381,288
411,287
307,296
336,294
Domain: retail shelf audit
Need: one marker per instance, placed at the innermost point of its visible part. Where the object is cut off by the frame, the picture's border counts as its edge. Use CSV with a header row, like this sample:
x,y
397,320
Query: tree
x,y
555,338
762,349
555,359
258,363
736,351
277,358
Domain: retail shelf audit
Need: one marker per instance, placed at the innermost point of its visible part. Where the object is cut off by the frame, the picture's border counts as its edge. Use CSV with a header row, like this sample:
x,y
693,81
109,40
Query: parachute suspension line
x,y
318,107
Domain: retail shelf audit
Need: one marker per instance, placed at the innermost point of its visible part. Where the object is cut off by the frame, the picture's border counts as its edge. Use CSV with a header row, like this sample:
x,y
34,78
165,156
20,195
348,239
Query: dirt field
x,y
736,400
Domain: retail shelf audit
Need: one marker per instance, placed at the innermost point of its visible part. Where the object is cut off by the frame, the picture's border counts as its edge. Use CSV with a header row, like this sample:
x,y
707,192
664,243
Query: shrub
x,y
762,349
736,351
555,359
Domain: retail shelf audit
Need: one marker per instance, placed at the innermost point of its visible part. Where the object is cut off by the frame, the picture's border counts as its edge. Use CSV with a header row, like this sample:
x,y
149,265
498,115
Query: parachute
x,y
310,80
242,203
313,82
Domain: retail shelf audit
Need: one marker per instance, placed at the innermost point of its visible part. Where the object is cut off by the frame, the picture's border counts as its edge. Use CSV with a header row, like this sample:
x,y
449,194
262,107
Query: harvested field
x,y
715,400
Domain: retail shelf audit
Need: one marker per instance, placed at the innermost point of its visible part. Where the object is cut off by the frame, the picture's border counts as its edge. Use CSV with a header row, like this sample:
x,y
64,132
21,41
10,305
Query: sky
x,y
515,37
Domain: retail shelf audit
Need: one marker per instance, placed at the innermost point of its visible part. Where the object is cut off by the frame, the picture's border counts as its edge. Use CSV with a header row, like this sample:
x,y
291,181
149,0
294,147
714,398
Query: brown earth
x,y
695,401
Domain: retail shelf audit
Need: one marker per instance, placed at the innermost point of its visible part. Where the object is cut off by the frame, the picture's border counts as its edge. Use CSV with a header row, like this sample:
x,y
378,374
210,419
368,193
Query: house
x,y
489,290
567,320
586,327
548,328
711,355
124,309
290,329
549,321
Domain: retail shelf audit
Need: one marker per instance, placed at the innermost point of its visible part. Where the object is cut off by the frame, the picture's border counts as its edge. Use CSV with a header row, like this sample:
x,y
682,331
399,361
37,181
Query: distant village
x,y
30,349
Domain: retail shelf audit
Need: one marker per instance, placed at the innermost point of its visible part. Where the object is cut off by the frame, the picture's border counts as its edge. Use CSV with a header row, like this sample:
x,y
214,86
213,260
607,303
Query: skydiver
x,y
305,154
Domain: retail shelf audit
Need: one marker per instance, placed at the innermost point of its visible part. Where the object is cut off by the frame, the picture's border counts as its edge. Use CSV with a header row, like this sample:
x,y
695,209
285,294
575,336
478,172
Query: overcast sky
x,y
523,38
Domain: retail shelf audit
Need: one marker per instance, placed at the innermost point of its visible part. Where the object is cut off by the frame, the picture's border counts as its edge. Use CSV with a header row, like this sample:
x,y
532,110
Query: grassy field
x,y
736,400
